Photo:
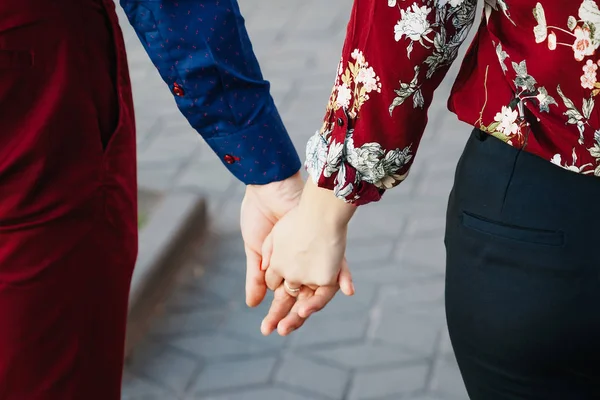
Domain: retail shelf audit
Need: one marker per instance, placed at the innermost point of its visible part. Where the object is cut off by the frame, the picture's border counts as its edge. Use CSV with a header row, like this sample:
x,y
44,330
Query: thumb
x,y
267,251
255,279
345,279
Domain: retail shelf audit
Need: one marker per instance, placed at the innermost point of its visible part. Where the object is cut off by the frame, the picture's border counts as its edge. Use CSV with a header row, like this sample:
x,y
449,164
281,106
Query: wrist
x,y
322,207
276,196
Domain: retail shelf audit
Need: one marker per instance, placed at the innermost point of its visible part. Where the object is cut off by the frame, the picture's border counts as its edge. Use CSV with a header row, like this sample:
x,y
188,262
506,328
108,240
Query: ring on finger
x,y
290,289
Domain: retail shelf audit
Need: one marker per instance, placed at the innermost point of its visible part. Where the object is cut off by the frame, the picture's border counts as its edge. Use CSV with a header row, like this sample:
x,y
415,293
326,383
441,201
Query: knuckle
x,y
323,280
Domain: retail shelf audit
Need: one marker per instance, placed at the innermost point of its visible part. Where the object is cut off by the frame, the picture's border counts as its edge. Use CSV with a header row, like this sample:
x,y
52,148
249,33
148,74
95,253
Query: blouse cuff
x,y
357,176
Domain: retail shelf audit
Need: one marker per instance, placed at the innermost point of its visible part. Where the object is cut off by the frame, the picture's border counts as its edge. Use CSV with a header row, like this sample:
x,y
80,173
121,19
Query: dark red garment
x,y
68,218
530,78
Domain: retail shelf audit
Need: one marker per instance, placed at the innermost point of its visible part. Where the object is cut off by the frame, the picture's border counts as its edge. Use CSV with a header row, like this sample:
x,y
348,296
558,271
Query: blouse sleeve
x,y
395,55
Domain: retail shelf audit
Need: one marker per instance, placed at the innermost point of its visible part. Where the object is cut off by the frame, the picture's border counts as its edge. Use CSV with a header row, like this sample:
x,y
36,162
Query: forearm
x,y
203,53
324,208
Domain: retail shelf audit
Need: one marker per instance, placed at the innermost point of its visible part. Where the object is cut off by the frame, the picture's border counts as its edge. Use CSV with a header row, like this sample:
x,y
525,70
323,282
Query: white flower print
x,y
334,158
358,56
595,152
496,5
588,79
507,119
372,163
316,155
557,160
444,45
369,79
392,3
552,41
523,80
453,3
413,23
342,188
541,29
582,46
323,158
590,14
344,94
353,83
502,55
586,37
576,117
375,165
545,99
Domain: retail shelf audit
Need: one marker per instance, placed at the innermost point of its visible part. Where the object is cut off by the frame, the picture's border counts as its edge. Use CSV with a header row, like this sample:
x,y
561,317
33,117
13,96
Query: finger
x,y
255,279
273,280
322,296
345,279
280,307
267,251
293,321
293,289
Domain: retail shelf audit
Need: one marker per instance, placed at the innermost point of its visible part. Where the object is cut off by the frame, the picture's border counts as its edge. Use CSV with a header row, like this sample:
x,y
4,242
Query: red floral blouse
x,y
529,79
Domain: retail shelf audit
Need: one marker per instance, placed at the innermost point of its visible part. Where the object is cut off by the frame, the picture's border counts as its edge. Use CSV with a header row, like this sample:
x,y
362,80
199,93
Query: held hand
x,y
305,259
262,207
316,285
304,251
288,313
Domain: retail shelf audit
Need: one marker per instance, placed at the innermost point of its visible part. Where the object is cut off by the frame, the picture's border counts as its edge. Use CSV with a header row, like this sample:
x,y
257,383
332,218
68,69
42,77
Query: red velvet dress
x,y
68,218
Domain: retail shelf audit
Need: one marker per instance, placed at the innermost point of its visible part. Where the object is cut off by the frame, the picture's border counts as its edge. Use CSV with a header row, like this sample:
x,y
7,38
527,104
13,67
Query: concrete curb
x,y
174,223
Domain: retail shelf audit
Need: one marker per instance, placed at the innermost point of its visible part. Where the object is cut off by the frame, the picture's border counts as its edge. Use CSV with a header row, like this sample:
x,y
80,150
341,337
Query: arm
x,y
394,57
202,51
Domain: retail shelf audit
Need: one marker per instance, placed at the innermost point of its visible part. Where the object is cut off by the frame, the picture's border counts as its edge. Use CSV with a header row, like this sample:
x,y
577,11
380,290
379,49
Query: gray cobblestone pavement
x,y
387,342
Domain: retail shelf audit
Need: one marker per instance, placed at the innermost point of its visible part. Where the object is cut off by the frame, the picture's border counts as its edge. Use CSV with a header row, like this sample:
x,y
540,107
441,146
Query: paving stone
x,y
176,324
388,382
312,377
427,252
366,254
396,274
417,333
438,187
234,374
447,381
157,177
205,174
228,285
167,367
138,388
323,329
186,299
269,393
376,220
219,346
361,301
366,356
446,344
425,397
164,149
426,291
245,322
426,226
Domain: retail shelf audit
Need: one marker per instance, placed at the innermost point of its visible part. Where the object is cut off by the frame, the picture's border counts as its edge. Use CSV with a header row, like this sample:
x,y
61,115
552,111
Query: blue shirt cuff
x,y
260,154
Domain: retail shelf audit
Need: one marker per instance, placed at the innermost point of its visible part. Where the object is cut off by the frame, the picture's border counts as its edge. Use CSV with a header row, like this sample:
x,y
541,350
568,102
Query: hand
x,y
307,246
288,313
262,207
